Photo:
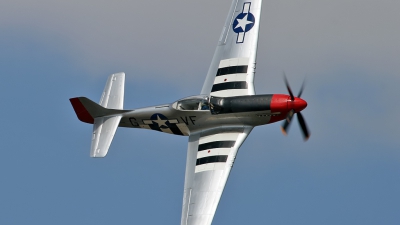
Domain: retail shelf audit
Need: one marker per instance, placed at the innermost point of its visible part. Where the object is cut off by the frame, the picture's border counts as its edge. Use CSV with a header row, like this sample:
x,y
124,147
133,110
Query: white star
x,y
243,22
160,122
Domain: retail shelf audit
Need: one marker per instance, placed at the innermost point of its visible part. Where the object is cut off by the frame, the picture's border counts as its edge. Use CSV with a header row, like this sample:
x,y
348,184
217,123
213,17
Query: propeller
x,y
300,118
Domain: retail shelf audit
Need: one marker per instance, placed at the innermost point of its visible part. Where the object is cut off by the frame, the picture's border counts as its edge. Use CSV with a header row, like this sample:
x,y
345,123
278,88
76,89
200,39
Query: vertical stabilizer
x,y
104,128
113,94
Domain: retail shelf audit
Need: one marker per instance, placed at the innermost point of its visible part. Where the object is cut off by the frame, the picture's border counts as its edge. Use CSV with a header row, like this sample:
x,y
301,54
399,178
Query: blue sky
x,y
347,173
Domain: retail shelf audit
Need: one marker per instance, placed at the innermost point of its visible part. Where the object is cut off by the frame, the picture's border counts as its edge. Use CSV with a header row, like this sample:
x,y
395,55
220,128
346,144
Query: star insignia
x,y
242,23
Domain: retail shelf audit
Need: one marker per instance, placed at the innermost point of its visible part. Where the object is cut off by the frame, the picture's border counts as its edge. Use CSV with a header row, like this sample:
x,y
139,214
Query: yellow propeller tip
x,y
283,131
306,138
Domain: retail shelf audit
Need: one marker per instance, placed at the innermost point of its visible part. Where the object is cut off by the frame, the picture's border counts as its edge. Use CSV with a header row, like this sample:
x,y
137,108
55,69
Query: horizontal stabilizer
x,y
104,116
104,129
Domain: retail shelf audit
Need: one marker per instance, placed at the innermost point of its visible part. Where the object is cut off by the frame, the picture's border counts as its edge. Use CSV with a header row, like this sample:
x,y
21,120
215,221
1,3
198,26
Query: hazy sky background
x,y
347,173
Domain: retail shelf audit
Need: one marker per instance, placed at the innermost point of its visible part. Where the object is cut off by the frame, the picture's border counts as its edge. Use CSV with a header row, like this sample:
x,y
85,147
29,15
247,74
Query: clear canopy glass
x,y
198,102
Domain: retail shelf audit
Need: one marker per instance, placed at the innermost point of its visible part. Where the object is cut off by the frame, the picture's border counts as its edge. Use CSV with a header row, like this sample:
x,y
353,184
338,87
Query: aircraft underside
x,y
217,121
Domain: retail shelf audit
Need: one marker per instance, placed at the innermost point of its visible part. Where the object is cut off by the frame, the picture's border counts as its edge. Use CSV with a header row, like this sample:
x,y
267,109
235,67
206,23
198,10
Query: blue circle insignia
x,y
243,22
160,120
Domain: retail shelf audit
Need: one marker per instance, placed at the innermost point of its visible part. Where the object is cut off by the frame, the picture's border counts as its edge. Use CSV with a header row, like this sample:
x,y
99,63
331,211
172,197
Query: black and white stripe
x,y
216,144
229,86
212,159
231,70
214,150
231,78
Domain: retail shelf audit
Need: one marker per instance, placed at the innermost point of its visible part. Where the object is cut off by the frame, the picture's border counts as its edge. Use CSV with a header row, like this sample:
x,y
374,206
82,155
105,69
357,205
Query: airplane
x,y
217,121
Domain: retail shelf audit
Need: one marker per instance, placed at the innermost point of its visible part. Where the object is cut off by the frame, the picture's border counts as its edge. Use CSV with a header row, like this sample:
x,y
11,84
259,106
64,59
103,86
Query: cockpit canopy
x,y
198,102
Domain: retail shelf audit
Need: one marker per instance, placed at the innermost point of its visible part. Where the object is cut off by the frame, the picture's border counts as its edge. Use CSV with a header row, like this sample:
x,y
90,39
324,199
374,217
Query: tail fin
x,y
113,94
104,117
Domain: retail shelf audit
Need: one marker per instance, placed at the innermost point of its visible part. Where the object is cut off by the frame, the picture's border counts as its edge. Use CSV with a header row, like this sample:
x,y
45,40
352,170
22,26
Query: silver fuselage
x,y
170,118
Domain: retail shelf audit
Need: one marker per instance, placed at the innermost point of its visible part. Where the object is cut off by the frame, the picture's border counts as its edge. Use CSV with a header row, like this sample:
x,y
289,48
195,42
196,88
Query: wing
x,y
232,69
210,158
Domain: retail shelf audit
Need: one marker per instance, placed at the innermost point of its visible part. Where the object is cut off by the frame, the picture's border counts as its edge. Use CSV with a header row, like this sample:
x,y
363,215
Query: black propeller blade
x,y
300,118
303,126
288,87
286,124
301,90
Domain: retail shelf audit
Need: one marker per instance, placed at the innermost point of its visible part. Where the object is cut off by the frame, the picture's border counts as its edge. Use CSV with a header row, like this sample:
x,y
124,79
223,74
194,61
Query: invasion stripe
x,y
231,70
211,159
229,85
210,167
155,127
175,129
216,144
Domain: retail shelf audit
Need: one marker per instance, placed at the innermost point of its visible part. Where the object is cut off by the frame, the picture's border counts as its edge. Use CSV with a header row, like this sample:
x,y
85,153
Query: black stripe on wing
x,y
211,159
216,144
229,85
231,70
